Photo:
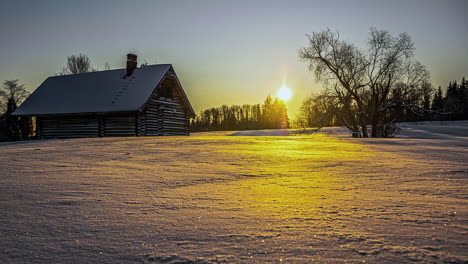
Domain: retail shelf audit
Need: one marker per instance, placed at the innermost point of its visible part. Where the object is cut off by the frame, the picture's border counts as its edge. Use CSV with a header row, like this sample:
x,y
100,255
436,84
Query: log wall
x,y
111,125
123,125
67,126
166,116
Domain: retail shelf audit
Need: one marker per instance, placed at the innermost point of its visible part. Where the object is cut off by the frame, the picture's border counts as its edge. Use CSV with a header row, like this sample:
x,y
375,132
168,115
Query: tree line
x,y
455,101
425,104
271,114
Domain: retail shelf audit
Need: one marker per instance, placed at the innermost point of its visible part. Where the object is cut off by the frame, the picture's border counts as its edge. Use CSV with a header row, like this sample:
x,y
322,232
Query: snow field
x,y
213,198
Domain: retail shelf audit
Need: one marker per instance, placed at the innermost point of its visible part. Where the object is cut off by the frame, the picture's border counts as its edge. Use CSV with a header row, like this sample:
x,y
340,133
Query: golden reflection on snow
x,y
296,177
232,199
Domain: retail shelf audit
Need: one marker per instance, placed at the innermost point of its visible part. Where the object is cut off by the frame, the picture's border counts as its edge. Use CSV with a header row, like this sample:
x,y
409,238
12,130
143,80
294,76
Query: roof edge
x,y
80,113
185,98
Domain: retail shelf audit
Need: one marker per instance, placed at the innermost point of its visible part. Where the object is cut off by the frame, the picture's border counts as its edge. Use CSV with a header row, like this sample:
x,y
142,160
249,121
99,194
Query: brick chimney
x,y
131,63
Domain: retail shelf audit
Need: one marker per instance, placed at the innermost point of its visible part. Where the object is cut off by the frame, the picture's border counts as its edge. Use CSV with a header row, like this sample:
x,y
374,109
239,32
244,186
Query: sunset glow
x,y
284,93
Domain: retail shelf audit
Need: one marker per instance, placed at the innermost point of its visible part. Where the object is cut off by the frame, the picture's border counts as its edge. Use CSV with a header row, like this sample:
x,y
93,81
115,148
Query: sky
x,y
224,52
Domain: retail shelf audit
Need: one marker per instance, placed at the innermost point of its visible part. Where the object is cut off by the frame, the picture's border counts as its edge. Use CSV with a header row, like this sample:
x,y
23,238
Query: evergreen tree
x,y
438,101
454,101
267,115
464,97
280,114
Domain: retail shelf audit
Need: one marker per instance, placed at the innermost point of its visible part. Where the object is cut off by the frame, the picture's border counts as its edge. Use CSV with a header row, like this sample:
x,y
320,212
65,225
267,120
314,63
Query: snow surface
x,y
213,198
263,132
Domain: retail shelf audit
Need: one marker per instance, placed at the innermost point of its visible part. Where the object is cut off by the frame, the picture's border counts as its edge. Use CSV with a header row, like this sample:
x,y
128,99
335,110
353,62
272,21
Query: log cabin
x,y
144,101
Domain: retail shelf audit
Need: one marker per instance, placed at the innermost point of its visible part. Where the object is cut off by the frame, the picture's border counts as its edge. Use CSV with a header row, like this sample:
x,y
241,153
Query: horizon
x,y
223,52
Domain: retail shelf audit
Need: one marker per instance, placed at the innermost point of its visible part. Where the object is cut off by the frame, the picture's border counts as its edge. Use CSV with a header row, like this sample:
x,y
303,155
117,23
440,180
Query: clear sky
x,y
224,52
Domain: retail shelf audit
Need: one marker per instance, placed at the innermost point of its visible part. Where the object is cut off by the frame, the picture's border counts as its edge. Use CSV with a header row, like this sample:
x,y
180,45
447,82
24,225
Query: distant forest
x,y
271,114
426,104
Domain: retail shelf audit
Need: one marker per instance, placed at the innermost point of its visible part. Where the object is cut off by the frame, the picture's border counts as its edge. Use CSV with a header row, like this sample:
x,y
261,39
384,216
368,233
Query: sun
x,y
284,93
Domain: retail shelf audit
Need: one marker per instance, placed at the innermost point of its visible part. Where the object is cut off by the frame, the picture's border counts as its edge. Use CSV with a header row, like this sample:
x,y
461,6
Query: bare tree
x,y
12,94
77,64
314,111
362,80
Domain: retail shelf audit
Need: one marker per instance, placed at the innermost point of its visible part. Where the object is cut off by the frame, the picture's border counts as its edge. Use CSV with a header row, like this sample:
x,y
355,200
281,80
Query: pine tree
x,y
267,113
438,101
464,97
454,100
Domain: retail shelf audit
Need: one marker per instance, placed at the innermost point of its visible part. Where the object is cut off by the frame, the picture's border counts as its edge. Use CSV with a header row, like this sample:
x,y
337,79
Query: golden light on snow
x,y
299,195
284,93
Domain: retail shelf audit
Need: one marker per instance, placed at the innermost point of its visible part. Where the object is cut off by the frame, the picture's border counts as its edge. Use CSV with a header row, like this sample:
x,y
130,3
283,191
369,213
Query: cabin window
x,y
166,91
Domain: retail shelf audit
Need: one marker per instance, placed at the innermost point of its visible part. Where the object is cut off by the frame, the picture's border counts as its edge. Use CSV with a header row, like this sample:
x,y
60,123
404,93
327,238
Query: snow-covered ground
x,y
213,198
263,132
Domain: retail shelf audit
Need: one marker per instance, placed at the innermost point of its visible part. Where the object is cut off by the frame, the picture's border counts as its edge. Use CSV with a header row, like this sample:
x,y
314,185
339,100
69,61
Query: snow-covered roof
x,y
95,92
